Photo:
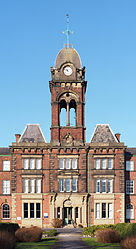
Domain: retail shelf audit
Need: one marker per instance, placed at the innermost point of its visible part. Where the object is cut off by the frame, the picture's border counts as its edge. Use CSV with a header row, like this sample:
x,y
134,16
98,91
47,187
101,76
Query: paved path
x,y
70,240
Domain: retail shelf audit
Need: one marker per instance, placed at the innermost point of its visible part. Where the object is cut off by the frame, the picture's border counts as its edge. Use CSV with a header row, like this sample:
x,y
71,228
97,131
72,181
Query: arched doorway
x,y
67,212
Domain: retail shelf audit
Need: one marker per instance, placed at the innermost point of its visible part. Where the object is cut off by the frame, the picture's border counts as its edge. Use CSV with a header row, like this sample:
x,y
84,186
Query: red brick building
x,y
79,182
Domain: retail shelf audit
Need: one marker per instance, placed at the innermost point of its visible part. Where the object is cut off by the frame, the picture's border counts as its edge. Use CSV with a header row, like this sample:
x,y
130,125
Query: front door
x,y
67,215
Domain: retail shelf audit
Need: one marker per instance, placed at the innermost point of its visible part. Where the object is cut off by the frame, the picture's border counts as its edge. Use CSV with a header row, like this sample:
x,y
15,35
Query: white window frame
x,y
61,165
97,163
61,185
129,187
129,211
68,183
110,185
97,210
38,163
68,163
32,163
26,163
25,186
110,165
38,186
130,165
32,185
74,163
74,185
110,211
6,165
103,182
104,163
6,187
97,186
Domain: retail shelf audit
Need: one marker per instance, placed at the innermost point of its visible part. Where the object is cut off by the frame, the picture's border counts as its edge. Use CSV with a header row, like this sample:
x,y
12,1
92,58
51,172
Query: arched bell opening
x,y
72,113
63,113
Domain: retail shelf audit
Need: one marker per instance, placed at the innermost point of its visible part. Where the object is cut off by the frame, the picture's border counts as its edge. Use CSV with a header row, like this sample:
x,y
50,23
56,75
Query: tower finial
x,y
67,32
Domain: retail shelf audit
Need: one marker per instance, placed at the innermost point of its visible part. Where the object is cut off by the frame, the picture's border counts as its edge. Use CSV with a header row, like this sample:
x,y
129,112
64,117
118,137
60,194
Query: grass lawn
x,y
94,244
44,244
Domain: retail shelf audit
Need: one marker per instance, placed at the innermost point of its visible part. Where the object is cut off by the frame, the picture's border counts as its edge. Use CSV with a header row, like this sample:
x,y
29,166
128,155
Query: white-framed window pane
x,y
103,186
38,163
25,210
129,211
110,163
97,210
74,185
32,186
67,163
26,163
103,210
32,161
61,163
67,185
6,187
129,186
61,185
38,186
97,163
103,163
25,186
97,186
6,165
110,186
74,163
129,165
110,210
5,211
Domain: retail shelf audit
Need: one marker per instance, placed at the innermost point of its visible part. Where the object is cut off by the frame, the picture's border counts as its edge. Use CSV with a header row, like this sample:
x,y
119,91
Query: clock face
x,y
67,71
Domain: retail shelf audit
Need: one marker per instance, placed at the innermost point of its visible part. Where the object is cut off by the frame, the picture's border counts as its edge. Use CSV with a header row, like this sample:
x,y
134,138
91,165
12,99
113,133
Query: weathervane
x,y
67,32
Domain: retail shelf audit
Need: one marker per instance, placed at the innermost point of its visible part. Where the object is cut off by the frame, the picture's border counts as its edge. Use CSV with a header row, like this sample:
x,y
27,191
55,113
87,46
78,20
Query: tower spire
x,y
67,32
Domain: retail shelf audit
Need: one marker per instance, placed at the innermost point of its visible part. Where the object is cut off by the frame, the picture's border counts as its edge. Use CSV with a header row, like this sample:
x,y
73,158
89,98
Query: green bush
x,y
50,233
90,231
126,229
10,227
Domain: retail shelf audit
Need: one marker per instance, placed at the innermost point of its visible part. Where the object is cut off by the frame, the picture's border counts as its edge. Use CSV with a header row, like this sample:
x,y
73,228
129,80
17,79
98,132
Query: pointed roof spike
x,y
67,32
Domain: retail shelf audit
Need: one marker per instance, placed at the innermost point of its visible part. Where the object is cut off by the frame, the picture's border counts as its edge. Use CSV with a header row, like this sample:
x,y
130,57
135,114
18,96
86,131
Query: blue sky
x,y
30,38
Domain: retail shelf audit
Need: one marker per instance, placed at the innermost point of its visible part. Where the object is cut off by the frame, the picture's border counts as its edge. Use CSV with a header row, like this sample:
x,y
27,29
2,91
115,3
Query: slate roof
x,y
32,134
68,55
131,150
103,134
5,151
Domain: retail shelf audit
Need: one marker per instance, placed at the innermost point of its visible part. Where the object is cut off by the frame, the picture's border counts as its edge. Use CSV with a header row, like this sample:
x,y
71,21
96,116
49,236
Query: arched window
x,y
72,107
63,113
5,211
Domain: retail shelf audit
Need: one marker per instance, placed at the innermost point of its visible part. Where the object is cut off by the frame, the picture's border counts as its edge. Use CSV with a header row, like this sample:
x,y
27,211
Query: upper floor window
x,y
68,163
32,186
6,187
129,165
104,186
32,163
104,163
6,165
97,163
68,185
129,186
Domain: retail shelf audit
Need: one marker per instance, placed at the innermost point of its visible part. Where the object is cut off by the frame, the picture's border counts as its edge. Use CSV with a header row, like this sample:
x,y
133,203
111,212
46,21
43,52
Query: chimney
x,y
17,137
117,135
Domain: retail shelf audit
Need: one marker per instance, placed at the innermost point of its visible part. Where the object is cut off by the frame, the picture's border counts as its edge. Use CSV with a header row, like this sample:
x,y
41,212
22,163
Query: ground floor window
x,y
58,212
129,211
76,212
103,210
32,210
5,211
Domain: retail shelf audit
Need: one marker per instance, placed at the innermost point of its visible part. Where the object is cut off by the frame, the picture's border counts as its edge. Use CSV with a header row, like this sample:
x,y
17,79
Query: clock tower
x,y
68,88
